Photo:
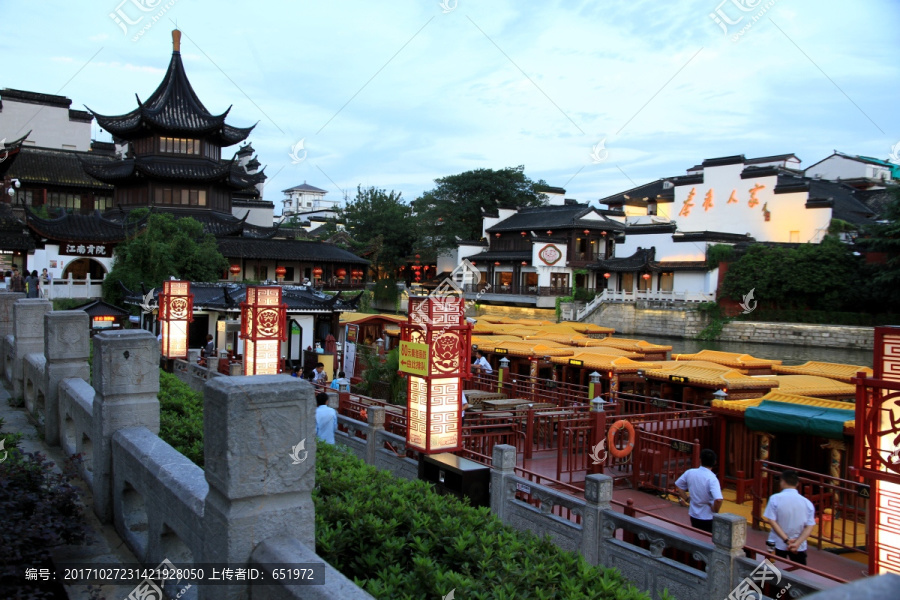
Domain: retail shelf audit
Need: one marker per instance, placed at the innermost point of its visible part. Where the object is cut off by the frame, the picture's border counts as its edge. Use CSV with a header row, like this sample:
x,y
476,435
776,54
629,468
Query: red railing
x,y
659,460
841,505
561,393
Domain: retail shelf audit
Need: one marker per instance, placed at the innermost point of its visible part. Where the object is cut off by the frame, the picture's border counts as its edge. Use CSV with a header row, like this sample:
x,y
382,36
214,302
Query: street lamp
x,y
504,363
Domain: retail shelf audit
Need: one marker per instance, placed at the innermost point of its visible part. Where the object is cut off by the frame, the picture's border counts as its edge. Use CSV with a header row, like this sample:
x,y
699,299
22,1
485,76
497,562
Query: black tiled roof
x,y
846,204
773,158
688,179
99,308
502,256
173,108
649,228
293,250
543,218
304,187
711,236
640,195
640,260
14,233
35,98
172,169
50,167
72,228
754,172
549,189
724,160
228,297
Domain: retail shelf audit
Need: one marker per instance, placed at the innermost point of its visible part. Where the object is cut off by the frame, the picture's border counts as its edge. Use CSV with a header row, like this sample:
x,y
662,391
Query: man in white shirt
x,y
481,363
319,375
706,493
792,518
326,419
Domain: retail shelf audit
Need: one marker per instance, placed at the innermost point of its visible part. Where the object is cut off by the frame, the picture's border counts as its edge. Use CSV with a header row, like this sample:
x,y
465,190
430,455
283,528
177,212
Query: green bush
x,y
181,417
718,253
385,291
400,539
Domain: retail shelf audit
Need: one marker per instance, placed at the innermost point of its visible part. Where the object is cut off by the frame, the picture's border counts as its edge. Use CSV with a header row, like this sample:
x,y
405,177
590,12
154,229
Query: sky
x,y
593,96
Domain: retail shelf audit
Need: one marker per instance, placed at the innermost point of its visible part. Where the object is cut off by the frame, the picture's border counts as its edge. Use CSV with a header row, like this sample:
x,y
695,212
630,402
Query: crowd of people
x,y
32,284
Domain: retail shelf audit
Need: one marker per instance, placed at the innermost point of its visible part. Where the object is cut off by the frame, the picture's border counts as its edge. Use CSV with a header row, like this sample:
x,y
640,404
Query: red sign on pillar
x,y
877,449
263,328
435,348
176,310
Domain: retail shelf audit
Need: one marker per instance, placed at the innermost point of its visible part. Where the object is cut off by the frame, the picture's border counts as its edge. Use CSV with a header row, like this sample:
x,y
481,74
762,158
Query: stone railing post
x,y
212,364
193,356
7,299
729,537
28,330
126,379
67,348
375,417
259,485
503,465
598,492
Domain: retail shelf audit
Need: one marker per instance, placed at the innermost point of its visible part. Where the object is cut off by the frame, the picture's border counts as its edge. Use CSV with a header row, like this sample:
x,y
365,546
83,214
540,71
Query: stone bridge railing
x,y
249,506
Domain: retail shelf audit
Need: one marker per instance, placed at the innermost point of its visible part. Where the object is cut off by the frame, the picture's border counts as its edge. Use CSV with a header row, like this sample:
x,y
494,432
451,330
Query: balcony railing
x,y
520,290
622,296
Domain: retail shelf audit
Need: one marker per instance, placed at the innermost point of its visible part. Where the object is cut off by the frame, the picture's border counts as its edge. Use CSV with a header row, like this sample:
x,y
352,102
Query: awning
x,y
782,417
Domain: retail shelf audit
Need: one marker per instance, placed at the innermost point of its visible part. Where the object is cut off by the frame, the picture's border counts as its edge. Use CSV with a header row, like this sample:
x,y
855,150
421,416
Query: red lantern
x,y
341,272
496,263
602,233
317,271
263,328
176,310
235,269
417,257
607,275
587,232
496,235
549,232
524,263
280,272
646,276
524,234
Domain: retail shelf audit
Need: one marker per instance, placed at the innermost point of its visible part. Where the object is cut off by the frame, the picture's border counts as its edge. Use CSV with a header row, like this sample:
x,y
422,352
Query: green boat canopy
x,y
783,417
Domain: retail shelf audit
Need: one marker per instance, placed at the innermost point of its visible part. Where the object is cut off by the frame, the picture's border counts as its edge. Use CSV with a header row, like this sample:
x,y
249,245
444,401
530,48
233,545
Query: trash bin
x,y
457,476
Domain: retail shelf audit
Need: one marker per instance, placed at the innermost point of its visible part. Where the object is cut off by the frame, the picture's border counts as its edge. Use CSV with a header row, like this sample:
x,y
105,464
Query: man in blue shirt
x,y
326,419
792,518
706,493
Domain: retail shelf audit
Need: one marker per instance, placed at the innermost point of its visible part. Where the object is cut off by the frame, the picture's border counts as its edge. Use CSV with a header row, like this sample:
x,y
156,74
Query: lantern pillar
x,y
502,373
263,328
176,310
435,348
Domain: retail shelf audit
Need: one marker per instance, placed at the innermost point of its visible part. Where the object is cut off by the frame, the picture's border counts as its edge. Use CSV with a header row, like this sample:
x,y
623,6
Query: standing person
x,y
31,285
46,278
16,283
706,493
481,363
792,518
320,376
210,349
326,419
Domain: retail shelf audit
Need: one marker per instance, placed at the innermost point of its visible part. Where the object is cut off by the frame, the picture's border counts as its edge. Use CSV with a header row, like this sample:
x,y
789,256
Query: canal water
x,y
789,355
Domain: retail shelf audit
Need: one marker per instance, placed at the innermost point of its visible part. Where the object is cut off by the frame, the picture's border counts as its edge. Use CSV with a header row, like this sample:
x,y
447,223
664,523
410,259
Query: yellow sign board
x,y
414,358
576,363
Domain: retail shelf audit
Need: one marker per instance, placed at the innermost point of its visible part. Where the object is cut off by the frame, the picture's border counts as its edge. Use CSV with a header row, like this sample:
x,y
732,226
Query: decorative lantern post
x,y
263,328
435,348
176,310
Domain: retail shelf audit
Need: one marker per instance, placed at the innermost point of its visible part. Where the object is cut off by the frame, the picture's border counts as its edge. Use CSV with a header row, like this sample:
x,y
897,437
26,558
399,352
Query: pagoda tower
x,y
174,156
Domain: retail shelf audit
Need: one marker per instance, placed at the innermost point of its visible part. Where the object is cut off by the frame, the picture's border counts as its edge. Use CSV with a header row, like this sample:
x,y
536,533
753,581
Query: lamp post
x,y
592,386
176,308
263,319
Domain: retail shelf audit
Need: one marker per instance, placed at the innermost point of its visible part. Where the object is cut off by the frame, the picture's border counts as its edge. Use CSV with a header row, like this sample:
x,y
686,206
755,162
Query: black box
x,y
457,476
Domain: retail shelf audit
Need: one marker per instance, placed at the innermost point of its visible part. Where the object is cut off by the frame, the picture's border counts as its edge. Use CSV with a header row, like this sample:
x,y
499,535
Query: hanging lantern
x,y
496,263
587,232
603,233
341,273
417,257
176,310
496,235
280,272
473,263
263,319
607,275
235,269
549,232
524,263
524,234
646,276
317,272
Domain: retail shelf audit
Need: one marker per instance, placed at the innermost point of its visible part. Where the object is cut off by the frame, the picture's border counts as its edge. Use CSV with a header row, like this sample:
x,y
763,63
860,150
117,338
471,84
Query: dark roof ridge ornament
x,y
176,40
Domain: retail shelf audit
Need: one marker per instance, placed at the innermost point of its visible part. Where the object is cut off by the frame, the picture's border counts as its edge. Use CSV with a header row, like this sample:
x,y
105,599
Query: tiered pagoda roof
x,y
173,109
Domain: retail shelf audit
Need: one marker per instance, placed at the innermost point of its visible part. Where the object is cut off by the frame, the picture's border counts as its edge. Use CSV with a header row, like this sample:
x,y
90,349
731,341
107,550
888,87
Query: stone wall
x,y
658,318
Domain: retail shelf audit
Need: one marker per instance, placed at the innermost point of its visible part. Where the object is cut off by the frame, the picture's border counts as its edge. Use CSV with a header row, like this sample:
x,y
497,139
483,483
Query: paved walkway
x,y
106,547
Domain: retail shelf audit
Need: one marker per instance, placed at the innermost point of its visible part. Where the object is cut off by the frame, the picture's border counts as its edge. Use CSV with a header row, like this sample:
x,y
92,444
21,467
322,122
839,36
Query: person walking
x,y
791,517
704,489
32,285
326,419
16,282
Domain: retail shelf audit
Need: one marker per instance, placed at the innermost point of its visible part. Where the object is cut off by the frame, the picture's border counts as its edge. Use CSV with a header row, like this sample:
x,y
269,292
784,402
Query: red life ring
x,y
613,429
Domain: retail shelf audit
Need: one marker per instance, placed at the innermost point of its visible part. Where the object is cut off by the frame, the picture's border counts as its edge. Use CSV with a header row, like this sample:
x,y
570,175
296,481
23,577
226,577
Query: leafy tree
x,y
376,215
167,246
812,276
454,208
882,281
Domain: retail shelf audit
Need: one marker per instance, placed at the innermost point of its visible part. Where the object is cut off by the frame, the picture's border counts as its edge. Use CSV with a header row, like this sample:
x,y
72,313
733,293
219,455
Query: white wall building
x,y
58,126
306,201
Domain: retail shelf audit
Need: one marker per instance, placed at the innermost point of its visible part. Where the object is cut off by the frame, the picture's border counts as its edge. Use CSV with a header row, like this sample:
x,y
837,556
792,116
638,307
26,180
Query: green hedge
x,y
181,417
400,539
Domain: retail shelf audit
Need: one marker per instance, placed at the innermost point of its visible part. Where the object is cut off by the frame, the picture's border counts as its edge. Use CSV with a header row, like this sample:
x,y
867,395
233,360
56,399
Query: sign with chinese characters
x,y
176,310
709,201
576,363
96,250
678,379
435,348
550,254
414,358
877,449
263,328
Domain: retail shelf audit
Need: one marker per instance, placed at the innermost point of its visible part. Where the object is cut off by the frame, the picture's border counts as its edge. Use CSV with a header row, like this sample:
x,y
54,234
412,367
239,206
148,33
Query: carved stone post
x,y
598,491
126,379
7,299
259,477
28,330
729,537
67,348
375,415
503,467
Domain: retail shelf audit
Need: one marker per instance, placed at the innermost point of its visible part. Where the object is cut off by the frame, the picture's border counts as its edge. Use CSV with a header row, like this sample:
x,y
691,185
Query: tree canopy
x,y
453,209
884,238
165,247
376,215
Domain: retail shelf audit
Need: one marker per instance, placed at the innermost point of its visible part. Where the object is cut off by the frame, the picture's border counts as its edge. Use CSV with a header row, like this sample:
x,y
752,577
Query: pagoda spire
x,y
176,40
